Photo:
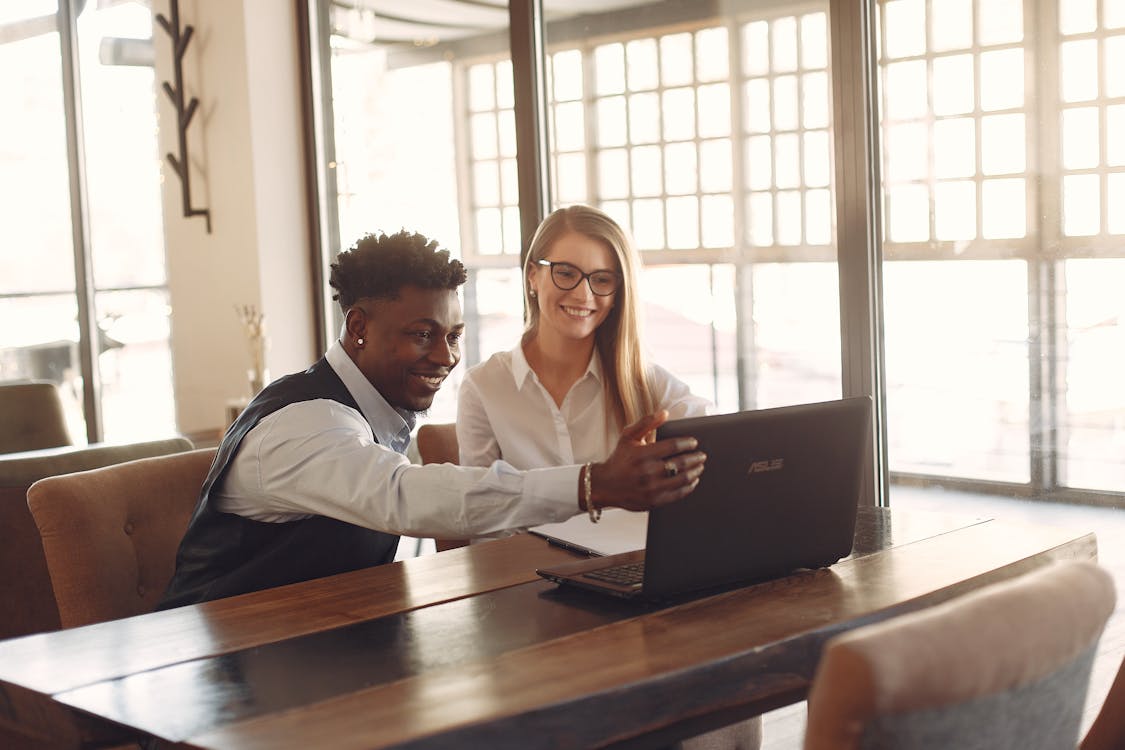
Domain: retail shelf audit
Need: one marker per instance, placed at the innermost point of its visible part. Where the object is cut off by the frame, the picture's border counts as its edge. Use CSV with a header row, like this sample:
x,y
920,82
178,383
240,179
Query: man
x,y
310,480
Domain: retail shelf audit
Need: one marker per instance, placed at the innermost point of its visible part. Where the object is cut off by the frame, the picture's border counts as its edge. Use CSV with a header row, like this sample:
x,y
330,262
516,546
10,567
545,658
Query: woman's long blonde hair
x,y
618,338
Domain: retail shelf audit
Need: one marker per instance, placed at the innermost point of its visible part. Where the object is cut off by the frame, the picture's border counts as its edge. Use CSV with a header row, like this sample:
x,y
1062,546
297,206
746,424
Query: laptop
x,y
779,493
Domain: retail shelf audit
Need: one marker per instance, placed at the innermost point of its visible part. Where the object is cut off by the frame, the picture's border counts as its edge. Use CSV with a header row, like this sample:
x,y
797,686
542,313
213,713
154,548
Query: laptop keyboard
x,y
629,574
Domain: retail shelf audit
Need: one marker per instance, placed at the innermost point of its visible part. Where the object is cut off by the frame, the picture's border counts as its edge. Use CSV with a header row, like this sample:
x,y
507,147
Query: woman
x,y
564,394
578,376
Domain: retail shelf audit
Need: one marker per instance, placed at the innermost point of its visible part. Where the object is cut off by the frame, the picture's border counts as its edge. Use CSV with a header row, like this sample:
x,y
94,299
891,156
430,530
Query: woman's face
x,y
575,313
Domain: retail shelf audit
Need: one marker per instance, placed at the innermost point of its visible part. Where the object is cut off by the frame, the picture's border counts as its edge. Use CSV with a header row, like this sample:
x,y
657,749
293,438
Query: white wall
x,y
245,152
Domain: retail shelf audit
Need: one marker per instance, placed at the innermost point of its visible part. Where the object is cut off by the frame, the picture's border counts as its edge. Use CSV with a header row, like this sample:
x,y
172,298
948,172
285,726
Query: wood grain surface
x,y
469,647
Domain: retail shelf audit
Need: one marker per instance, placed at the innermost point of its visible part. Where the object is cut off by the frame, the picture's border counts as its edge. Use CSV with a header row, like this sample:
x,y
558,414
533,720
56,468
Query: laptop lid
x,y
779,493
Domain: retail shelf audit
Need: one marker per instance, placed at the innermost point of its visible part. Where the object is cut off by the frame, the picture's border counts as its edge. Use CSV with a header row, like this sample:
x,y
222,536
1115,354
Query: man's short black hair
x,y
379,265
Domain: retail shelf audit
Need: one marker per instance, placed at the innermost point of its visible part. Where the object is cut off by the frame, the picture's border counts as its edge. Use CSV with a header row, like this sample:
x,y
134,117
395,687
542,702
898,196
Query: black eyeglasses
x,y
567,276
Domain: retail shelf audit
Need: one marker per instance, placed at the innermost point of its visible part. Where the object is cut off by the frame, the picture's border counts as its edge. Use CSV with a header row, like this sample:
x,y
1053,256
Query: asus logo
x,y
773,464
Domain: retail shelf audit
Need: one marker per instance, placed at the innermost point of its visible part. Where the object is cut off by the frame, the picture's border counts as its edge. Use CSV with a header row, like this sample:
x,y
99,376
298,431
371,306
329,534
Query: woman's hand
x,y
640,475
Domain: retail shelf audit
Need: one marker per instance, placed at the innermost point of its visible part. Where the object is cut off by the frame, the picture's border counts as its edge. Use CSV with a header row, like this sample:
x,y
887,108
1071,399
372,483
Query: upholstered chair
x,y
1006,666
110,535
27,603
1108,729
33,416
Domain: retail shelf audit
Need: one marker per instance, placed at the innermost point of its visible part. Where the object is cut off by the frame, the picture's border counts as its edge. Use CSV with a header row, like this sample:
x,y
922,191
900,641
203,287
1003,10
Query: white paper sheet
x,y
617,531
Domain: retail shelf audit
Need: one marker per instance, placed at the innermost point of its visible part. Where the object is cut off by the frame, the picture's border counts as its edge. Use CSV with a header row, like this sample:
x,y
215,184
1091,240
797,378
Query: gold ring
x,y
670,469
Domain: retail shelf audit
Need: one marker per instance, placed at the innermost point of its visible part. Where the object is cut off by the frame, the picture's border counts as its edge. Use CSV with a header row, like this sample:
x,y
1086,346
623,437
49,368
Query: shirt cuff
x,y
554,490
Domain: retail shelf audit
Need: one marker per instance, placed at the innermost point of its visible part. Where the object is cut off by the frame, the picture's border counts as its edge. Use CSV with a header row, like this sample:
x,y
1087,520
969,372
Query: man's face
x,y
410,344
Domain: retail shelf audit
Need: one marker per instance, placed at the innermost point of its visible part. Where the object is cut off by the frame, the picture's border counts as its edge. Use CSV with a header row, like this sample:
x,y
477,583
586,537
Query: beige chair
x,y
33,416
27,603
437,444
1108,729
1006,666
110,535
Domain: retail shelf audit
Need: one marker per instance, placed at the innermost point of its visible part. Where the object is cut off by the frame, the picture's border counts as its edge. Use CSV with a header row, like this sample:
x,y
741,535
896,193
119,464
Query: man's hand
x,y
639,475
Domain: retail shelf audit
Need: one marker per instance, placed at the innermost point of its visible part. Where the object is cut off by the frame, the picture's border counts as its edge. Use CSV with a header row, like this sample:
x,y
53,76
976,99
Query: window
x,y
118,243
709,135
1001,165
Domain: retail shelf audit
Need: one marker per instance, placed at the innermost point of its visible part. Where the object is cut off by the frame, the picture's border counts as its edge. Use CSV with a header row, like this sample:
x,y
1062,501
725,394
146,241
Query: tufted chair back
x,y
110,535
1005,667
27,603
33,416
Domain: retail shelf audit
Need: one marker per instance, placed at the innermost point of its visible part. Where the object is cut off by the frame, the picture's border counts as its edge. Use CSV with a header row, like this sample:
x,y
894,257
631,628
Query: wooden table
x,y
468,648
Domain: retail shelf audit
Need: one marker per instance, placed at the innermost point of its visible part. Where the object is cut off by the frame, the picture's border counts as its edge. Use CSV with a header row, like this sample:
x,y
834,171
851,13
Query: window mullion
x,y
79,219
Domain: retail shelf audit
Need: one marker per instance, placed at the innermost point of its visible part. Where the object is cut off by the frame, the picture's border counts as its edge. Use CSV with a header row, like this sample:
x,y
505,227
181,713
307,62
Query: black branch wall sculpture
x,y
184,112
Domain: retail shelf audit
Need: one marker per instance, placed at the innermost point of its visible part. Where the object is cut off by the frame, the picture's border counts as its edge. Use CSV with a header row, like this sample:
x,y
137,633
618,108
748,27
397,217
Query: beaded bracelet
x,y
587,492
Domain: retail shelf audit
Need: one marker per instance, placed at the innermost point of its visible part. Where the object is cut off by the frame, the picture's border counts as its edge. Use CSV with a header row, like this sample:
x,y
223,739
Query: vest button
x,y
141,589
129,528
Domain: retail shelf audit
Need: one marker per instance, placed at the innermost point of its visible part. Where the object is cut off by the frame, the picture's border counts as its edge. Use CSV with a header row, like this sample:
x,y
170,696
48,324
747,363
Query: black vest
x,y
223,554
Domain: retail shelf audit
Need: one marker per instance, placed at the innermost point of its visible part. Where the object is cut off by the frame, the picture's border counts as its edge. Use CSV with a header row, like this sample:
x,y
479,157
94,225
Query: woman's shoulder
x,y
497,366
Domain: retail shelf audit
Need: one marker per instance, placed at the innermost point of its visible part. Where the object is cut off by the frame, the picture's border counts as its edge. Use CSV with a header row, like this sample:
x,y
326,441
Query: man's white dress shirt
x,y
323,458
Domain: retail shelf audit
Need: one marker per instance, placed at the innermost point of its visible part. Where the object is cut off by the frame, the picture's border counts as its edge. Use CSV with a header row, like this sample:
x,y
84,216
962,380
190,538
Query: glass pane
x,y
952,24
135,363
955,148
678,114
717,221
683,223
46,350
38,309
1004,207
1002,149
906,27
759,162
714,110
953,85
1076,16
955,210
692,306
1114,13
796,314
570,130
1115,135
647,171
122,165
566,68
715,168
1080,137
1078,70
611,121
1093,444
36,254
1001,21
946,418
712,61
784,44
676,57
609,67
394,172
1115,196
759,211
1001,79
613,173
571,175
680,168
905,90
1081,205
1115,66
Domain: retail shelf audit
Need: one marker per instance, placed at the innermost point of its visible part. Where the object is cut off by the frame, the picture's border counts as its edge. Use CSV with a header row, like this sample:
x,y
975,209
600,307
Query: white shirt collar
x,y
521,369
390,426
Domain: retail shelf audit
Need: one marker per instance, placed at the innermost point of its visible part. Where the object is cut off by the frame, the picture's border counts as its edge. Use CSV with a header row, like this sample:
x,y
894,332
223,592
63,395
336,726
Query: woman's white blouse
x,y
504,412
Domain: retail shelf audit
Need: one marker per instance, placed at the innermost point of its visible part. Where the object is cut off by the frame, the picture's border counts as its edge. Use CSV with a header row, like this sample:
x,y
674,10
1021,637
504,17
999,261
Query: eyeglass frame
x,y
618,278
